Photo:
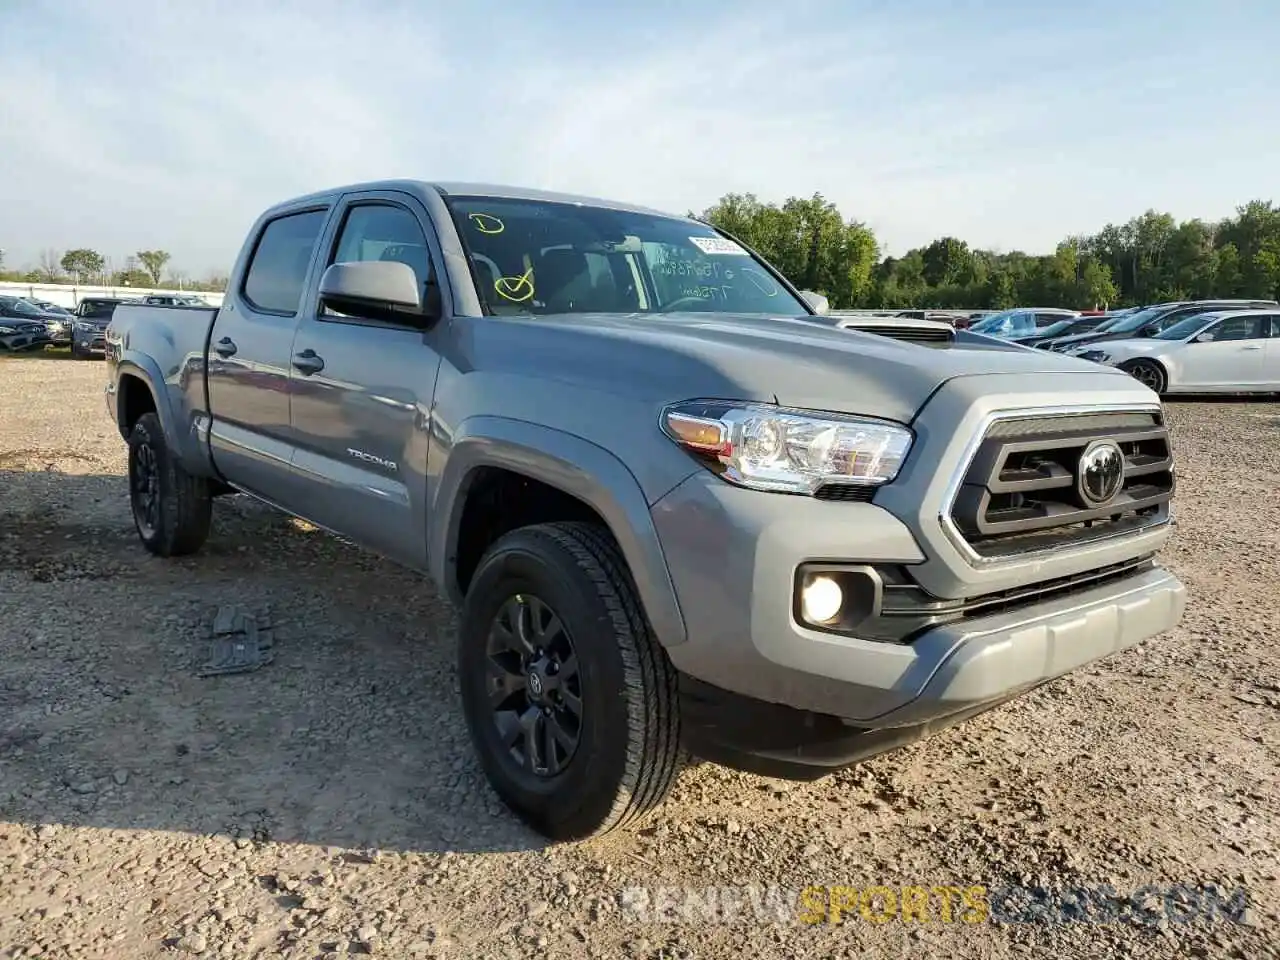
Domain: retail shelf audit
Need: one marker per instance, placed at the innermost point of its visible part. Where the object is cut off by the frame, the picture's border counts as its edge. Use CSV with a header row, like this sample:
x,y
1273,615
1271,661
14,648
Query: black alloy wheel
x,y
535,688
144,483
569,698
172,510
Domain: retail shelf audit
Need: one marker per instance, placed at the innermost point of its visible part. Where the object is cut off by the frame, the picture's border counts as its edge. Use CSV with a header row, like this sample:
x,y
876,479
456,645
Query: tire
x,y
1148,373
627,748
183,508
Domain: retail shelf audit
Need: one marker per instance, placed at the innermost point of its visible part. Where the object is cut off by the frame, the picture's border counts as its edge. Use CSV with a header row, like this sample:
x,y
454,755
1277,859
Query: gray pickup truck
x,y
681,512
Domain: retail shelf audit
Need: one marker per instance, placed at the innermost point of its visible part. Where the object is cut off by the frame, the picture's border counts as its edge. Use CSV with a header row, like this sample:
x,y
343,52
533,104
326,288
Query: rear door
x,y
362,389
1234,357
248,362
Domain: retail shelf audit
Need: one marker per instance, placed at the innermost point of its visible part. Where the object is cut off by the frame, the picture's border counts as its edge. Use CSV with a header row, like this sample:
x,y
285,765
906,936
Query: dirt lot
x,y
329,804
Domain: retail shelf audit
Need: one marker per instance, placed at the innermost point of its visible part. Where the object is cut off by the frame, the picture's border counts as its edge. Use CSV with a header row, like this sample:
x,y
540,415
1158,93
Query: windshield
x,y
1186,327
992,321
1055,328
96,309
1134,320
1009,323
23,308
541,257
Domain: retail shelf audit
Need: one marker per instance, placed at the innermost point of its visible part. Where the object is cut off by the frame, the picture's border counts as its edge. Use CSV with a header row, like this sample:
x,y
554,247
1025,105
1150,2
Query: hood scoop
x,y
927,332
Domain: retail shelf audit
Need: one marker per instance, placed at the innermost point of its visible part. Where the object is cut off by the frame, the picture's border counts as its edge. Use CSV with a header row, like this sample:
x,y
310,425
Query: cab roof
x,y
462,188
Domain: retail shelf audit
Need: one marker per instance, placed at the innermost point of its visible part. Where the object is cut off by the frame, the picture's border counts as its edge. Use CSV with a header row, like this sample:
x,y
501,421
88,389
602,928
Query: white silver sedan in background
x,y
1234,351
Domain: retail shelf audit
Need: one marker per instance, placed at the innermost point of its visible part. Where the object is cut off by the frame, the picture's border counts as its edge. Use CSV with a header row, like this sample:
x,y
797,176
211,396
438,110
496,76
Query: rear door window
x,y
278,269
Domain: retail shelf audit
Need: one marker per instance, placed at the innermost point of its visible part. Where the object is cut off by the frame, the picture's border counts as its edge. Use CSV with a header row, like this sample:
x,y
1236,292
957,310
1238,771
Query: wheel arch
x,y
134,397
138,385
586,482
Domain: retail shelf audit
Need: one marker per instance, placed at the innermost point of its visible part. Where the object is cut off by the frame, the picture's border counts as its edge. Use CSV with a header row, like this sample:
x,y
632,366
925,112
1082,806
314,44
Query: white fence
x,y
69,294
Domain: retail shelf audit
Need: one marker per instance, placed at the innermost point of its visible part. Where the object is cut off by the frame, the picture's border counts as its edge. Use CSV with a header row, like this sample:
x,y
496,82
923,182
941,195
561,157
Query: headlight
x,y
786,450
1097,356
84,327
5,331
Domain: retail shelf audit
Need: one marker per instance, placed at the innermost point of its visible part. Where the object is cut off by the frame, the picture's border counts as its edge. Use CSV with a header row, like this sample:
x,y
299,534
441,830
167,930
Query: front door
x,y
1230,354
248,359
361,390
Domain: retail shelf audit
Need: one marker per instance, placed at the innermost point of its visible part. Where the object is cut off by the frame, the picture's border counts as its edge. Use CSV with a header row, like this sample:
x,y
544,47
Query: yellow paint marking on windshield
x,y
487,223
516,289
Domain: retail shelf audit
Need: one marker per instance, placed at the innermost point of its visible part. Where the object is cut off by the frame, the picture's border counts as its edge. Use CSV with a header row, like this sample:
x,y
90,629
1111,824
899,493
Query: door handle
x,y
308,362
1252,346
226,347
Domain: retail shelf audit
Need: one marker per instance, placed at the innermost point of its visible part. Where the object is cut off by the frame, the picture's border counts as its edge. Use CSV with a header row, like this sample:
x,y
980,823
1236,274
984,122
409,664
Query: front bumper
x,y
92,342
1005,623
733,553
36,340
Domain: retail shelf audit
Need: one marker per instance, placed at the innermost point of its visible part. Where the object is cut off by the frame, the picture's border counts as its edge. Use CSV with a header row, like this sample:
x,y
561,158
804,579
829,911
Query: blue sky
x,y
151,123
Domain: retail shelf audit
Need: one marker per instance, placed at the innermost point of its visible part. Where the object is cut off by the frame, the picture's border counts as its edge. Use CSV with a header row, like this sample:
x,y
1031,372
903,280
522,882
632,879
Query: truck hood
x,y
793,361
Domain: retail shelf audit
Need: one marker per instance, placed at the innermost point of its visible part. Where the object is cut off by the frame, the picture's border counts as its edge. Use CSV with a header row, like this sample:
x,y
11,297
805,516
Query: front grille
x,y
1023,490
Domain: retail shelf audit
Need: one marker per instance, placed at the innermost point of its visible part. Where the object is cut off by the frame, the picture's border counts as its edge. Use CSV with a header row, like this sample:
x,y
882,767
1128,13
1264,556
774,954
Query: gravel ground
x,y
329,803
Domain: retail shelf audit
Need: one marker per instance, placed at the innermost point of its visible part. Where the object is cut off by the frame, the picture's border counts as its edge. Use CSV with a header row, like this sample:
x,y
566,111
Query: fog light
x,y
821,600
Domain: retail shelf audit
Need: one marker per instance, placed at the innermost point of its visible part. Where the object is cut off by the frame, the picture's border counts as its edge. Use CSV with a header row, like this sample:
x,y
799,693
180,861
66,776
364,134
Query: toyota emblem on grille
x,y
1100,473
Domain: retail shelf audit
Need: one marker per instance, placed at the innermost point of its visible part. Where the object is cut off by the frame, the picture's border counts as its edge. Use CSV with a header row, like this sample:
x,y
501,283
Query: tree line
x,y
87,267
1150,259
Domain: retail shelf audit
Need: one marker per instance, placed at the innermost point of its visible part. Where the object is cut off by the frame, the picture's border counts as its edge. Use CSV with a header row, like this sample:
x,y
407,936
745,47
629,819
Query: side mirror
x,y
1147,332
374,290
820,304
1206,337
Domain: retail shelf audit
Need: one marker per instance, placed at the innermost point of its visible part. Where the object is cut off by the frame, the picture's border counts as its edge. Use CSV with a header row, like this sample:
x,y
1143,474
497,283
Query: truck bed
x,y
171,348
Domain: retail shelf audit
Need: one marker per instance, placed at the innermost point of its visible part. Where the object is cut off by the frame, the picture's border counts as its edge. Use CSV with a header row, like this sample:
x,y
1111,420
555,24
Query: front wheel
x,y
1147,373
569,698
172,510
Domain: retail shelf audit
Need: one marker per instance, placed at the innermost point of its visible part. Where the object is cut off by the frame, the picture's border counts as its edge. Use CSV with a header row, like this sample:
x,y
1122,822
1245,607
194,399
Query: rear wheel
x,y
1148,373
569,698
172,510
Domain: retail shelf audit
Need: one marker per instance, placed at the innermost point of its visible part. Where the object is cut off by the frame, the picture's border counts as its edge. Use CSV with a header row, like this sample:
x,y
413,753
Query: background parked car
x,y
88,333
57,318
23,326
1021,321
1149,321
1225,352
175,300
1065,327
